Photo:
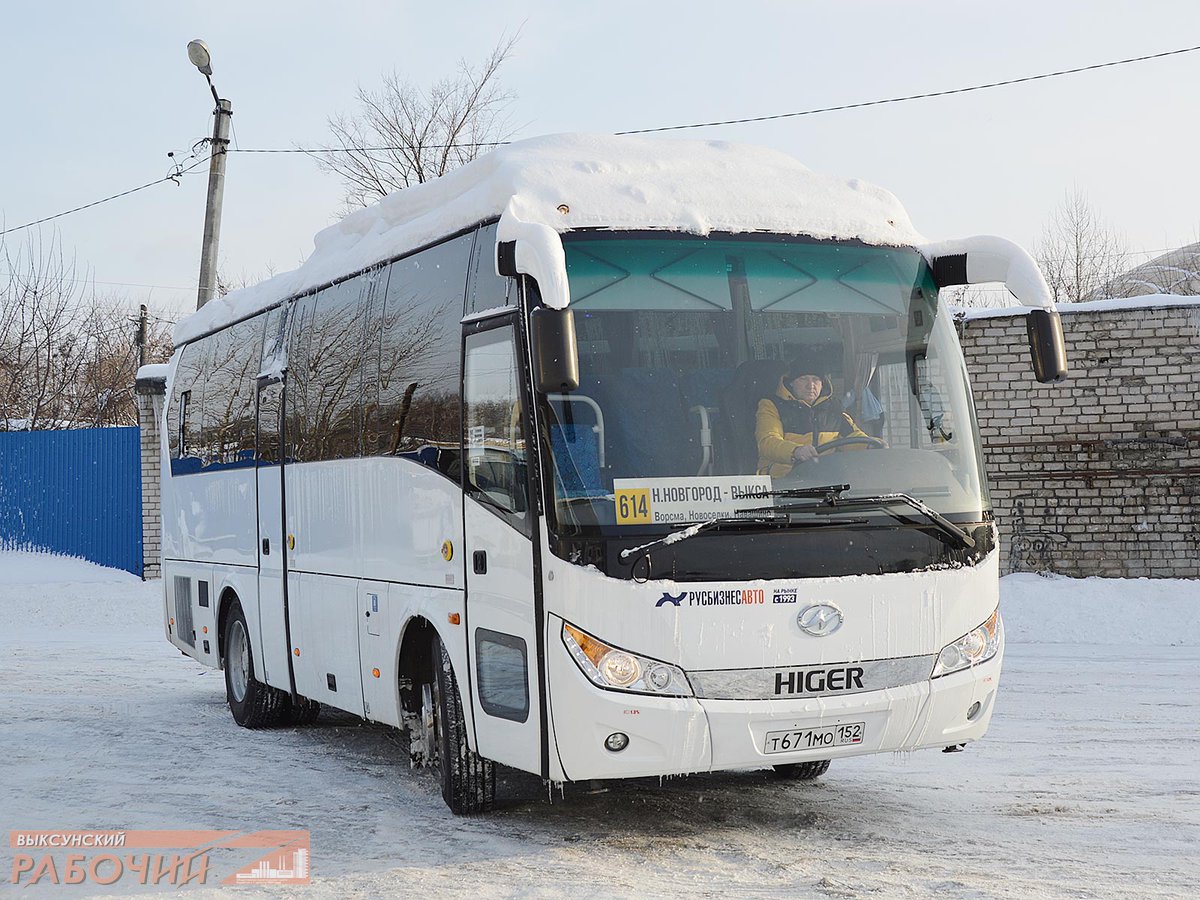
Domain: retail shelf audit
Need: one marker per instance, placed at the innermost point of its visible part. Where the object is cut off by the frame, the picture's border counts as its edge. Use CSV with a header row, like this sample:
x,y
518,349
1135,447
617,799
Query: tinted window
x,y
418,371
298,418
494,437
487,290
374,294
335,363
186,372
227,428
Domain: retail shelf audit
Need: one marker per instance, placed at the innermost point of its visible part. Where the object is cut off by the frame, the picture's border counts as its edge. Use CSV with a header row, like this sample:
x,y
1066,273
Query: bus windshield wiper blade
x,y
780,517
837,503
943,524
692,530
828,493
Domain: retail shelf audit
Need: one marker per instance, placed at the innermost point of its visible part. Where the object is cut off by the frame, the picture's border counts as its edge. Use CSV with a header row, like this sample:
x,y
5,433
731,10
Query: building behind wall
x,y
1098,475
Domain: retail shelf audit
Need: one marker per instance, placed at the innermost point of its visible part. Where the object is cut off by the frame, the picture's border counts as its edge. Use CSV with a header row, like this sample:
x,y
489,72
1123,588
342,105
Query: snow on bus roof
x,y
588,181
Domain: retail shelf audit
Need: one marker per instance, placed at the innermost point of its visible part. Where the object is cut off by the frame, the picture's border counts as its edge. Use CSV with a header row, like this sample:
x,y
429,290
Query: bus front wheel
x,y
468,780
253,704
805,771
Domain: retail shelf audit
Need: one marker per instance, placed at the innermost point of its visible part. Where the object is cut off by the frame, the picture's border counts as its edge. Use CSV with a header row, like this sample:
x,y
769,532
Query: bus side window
x,y
494,439
486,289
228,430
335,364
181,447
297,415
418,416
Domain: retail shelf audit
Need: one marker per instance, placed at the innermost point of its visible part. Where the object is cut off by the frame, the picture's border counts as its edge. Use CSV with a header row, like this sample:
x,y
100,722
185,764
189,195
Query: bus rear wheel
x,y
301,711
805,771
468,780
253,704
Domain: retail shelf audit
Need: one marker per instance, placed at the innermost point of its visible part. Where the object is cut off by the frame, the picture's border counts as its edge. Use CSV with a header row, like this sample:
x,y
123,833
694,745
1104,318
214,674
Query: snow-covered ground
x,y
1088,784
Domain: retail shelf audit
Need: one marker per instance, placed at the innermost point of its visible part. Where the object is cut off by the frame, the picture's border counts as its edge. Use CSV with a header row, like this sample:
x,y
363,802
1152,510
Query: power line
x,y
924,96
172,177
807,112
166,287
313,150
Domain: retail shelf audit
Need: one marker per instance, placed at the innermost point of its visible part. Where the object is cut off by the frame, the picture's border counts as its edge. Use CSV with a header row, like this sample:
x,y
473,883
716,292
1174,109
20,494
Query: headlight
x,y
616,669
973,648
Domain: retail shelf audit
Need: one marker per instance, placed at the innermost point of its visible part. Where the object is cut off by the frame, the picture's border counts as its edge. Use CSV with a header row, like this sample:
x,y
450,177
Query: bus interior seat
x,y
577,454
737,449
648,433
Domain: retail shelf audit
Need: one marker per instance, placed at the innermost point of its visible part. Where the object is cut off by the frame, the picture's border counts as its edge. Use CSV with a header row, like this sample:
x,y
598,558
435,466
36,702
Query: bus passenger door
x,y
502,617
275,665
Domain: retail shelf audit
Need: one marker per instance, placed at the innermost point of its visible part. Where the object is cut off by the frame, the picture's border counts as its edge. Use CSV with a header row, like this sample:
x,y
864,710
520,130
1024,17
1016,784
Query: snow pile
x,y
1051,609
582,181
21,567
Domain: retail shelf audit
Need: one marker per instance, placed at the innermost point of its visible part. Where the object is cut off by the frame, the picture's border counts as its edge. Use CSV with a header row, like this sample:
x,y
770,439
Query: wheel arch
x,y
225,603
415,661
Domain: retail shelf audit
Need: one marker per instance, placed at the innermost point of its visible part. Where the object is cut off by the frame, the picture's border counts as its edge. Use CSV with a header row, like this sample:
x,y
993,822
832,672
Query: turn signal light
x,y
375,672
453,618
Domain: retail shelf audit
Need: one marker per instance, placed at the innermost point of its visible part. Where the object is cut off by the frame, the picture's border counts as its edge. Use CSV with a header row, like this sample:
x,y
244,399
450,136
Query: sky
x,y
98,94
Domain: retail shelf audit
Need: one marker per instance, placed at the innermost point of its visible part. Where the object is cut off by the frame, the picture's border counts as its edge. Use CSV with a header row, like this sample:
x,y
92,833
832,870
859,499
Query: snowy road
x,y
1088,784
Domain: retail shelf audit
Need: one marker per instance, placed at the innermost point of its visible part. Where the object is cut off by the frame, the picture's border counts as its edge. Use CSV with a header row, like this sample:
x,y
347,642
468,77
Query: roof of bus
x,y
588,181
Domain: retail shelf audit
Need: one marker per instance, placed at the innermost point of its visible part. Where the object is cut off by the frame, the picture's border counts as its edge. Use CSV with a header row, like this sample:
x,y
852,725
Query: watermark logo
x,y
160,858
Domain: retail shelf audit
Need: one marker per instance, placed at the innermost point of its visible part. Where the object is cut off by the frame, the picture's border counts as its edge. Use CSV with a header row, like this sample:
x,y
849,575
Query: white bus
x,y
491,467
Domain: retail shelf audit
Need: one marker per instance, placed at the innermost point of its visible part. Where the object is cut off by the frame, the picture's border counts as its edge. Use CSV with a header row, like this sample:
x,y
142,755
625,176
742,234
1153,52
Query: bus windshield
x,y
708,365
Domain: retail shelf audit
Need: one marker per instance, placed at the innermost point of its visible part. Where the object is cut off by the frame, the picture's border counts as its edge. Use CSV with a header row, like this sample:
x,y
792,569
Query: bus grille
x,y
183,610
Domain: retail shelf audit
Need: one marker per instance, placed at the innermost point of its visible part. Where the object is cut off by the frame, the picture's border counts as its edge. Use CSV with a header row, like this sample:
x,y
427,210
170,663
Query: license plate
x,y
814,738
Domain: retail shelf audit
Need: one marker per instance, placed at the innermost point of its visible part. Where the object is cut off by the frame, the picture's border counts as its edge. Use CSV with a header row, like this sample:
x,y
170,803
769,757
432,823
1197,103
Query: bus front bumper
x,y
668,736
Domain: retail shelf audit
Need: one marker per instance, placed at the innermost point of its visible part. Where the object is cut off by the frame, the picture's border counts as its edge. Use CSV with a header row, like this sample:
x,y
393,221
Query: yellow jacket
x,y
776,444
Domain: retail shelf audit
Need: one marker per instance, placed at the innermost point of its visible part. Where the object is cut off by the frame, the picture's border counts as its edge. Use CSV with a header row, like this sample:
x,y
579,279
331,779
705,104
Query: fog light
x,y
973,711
617,741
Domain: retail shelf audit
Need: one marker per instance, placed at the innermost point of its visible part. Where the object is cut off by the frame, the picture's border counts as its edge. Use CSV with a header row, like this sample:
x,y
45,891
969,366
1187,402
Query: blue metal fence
x,y
77,492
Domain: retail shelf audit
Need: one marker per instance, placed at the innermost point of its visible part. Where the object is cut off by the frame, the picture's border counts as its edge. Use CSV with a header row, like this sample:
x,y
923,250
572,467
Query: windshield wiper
x,y
828,493
832,500
780,518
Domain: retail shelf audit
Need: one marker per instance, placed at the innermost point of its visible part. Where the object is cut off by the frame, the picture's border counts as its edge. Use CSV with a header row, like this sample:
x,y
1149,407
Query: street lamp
x,y
202,60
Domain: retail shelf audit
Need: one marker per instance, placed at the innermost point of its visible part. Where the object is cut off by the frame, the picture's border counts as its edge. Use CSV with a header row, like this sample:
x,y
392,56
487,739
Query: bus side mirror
x,y
1047,349
555,353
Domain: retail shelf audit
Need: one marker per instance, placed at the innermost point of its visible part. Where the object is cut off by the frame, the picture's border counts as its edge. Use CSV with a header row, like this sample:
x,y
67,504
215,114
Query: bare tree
x,y
1079,254
403,134
67,360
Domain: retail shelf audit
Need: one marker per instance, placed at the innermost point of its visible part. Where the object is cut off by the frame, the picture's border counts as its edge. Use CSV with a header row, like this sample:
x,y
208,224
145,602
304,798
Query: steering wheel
x,y
872,443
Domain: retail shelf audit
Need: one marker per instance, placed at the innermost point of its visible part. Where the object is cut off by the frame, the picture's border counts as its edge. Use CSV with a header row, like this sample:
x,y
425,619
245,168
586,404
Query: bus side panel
x,y
211,516
323,501
190,609
400,605
323,611
409,511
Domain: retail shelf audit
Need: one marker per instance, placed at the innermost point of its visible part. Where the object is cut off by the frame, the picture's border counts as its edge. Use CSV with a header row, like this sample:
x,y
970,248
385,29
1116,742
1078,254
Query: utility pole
x,y
223,114
141,335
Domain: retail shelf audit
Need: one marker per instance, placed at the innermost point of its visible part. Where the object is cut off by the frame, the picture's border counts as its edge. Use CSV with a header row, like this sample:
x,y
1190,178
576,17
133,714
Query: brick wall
x,y
1099,475
150,393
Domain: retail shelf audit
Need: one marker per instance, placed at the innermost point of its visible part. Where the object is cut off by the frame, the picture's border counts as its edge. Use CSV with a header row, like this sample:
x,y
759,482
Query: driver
x,y
791,426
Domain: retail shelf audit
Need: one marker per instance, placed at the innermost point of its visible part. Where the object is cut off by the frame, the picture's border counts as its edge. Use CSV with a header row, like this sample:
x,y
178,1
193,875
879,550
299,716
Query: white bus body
x,y
451,474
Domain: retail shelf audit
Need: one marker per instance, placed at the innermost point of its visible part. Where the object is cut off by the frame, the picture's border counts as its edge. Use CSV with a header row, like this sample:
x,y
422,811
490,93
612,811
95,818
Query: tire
x,y
301,711
805,771
468,780
253,704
